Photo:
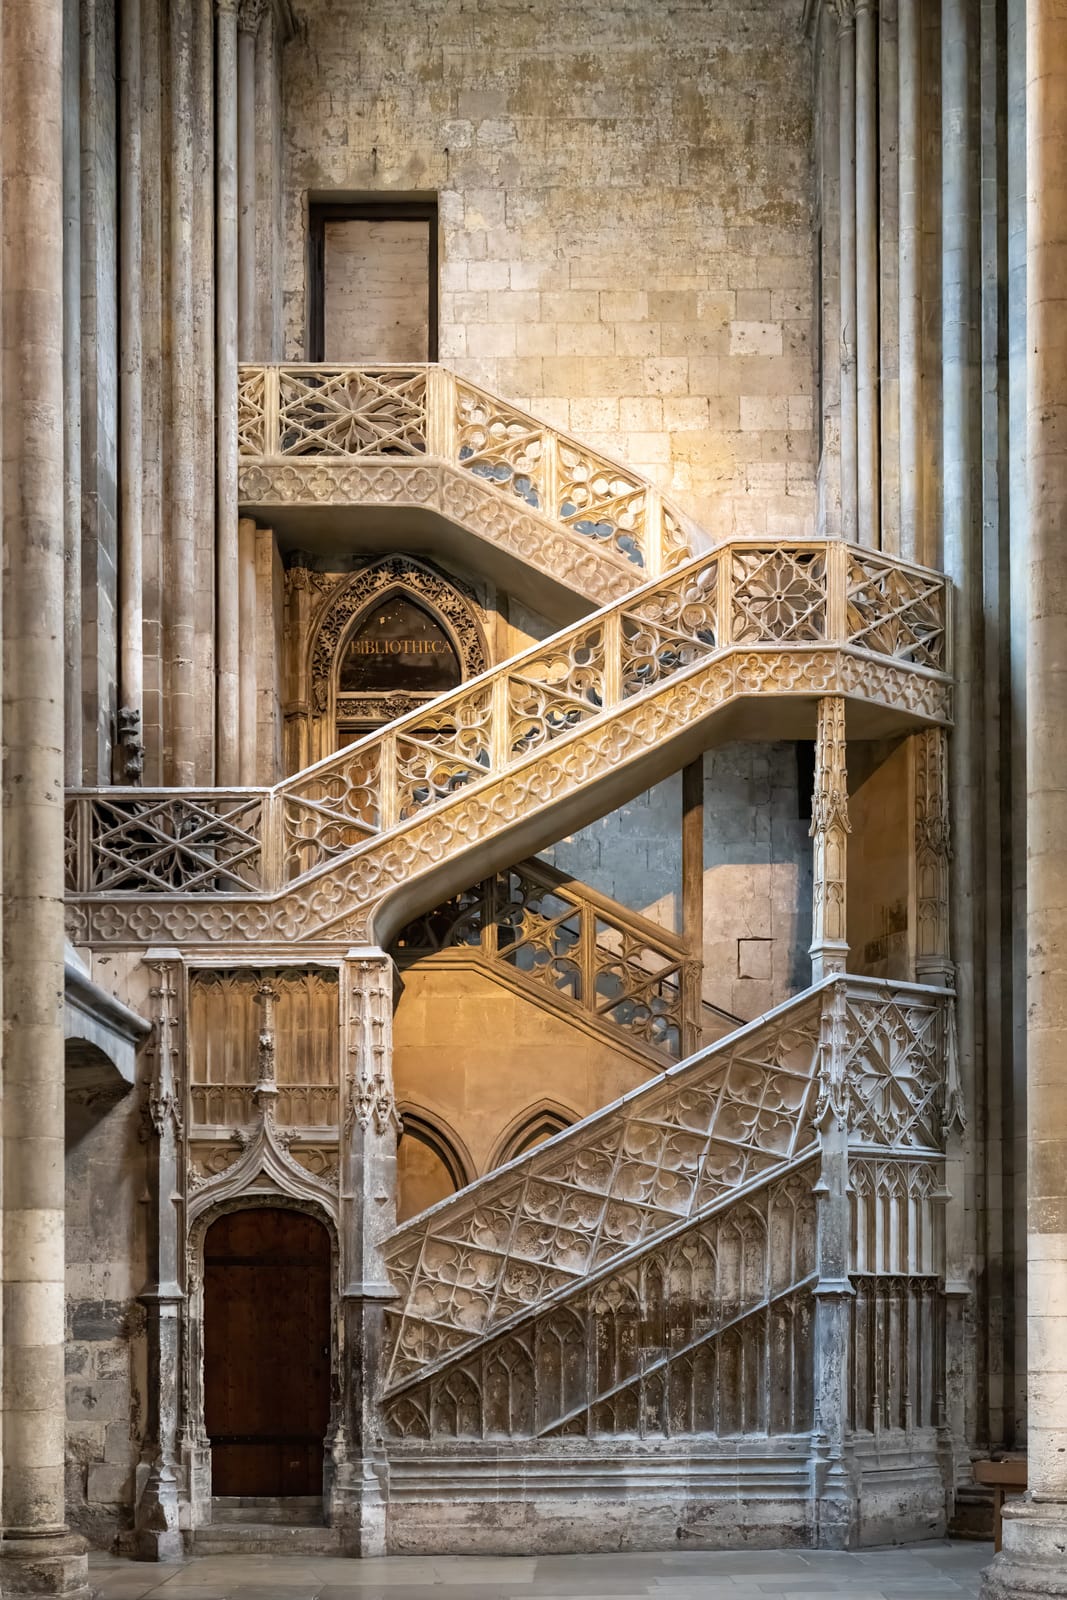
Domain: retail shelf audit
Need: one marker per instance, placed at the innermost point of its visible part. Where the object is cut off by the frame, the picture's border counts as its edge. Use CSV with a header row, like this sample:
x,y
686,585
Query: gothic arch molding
x,y
543,1120
447,600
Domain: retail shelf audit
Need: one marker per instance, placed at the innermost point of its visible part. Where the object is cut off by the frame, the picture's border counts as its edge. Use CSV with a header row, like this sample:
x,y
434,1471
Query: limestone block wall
x,y
757,870
106,1378
625,206
475,1059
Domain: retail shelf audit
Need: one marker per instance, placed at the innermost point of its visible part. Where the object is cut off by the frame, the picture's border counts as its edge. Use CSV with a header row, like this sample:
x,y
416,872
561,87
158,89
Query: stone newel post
x,y
1033,1561
368,1215
829,830
156,1512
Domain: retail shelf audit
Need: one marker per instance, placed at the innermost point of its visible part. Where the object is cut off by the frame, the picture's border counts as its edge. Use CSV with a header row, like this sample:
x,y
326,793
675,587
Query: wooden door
x,y
266,1352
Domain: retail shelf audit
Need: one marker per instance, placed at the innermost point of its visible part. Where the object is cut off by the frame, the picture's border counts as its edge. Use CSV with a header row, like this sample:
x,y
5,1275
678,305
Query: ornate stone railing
x,y
617,1277
564,717
314,433
590,955
875,1055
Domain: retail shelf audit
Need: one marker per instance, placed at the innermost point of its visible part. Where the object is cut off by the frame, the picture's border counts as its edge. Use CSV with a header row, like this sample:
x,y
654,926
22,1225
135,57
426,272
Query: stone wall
x,y
757,870
625,220
105,1353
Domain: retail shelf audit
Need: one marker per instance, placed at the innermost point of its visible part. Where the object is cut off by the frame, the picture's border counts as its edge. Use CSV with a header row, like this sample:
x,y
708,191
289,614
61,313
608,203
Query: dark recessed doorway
x,y
266,1351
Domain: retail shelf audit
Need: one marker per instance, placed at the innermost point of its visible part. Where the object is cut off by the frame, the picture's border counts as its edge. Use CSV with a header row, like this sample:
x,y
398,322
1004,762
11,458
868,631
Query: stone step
x,y
303,1510
264,1538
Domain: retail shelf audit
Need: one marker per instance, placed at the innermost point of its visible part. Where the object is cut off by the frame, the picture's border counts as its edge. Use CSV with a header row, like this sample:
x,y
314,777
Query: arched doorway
x,y
266,1351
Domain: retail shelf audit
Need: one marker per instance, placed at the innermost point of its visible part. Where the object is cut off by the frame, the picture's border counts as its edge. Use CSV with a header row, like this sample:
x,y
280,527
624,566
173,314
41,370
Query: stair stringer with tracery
x,y
621,1329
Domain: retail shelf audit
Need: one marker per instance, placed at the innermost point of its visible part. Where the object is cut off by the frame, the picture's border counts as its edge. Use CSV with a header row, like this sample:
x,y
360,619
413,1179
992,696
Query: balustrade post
x,y
369,1131
613,674
157,1537
272,408
441,413
388,799
653,540
692,903
500,724
829,830
832,1489
837,559
550,473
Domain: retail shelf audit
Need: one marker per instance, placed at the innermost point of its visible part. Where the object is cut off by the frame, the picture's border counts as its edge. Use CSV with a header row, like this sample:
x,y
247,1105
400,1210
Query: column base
x,y
43,1564
1032,1565
360,1505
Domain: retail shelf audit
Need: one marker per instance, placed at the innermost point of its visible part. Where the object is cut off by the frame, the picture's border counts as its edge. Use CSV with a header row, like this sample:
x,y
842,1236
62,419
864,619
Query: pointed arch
x,y
449,605
538,1122
432,1162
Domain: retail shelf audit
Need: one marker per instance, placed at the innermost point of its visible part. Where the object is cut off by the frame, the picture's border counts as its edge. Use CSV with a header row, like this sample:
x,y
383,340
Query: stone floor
x,y
936,1571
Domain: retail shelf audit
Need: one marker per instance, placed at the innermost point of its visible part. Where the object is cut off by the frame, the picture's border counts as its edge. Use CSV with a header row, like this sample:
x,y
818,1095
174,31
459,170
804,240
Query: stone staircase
x,y
639,1331
352,848
653,1286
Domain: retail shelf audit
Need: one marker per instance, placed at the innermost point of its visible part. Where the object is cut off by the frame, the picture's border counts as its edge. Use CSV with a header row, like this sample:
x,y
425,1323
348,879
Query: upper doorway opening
x,y
373,282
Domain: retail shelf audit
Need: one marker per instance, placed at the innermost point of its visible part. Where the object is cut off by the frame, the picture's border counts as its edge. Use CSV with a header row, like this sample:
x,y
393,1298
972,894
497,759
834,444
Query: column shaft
x,y
1032,1561
867,360
909,61
249,682
829,831
180,433
847,199
129,745
33,1063
247,162
226,298
72,382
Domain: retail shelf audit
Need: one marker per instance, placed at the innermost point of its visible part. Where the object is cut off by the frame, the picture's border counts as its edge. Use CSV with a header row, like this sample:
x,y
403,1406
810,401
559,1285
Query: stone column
x,y
909,65
179,427
157,1535
227,628
37,1555
248,22
829,830
128,752
961,446
1033,1561
847,196
72,397
833,1292
368,1216
933,963
868,428
248,696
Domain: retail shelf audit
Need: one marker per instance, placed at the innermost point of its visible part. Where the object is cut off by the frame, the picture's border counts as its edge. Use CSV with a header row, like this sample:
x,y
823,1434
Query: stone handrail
x,y
307,416
808,618
576,1209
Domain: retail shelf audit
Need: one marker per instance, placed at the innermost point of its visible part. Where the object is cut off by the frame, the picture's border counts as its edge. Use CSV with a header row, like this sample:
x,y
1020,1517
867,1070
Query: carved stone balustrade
x,y
568,729
592,958
419,437
737,1271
